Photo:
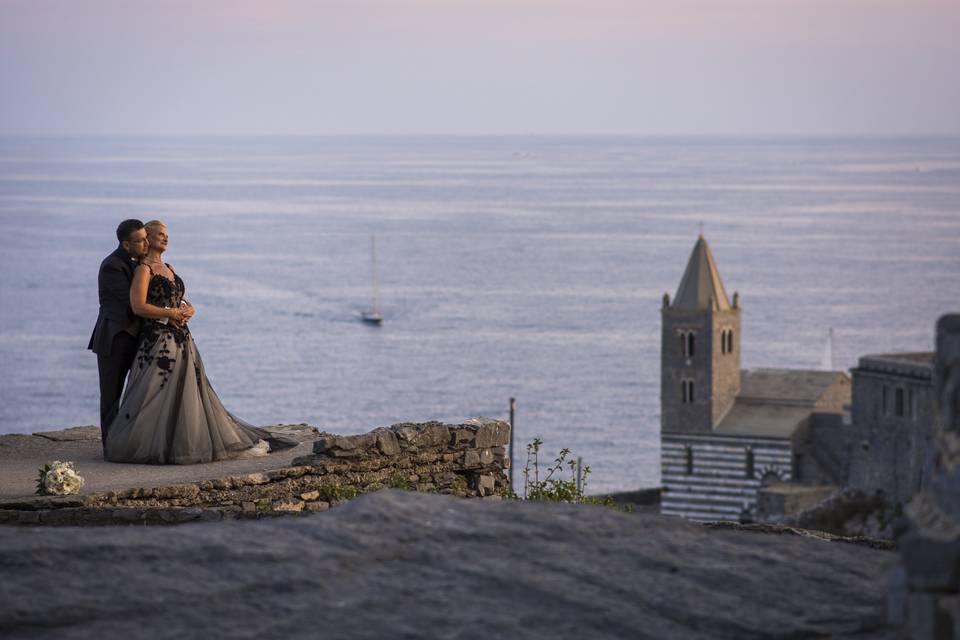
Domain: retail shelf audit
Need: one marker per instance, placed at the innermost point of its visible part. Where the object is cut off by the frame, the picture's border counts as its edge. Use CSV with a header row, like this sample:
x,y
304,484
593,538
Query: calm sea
x,y
522,266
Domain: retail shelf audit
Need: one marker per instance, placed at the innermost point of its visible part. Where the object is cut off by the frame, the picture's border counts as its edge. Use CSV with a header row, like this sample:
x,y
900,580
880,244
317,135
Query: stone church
x,y
727,432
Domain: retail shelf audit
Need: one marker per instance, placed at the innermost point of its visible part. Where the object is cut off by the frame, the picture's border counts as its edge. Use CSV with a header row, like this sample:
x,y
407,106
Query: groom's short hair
x,y
127,227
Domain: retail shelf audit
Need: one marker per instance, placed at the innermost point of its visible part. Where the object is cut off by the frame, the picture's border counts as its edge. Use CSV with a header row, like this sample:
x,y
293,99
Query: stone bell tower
x,y
700,349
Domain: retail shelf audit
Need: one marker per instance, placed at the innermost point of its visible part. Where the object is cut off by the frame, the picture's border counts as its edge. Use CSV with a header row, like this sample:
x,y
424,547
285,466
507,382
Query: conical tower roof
x,y
701,287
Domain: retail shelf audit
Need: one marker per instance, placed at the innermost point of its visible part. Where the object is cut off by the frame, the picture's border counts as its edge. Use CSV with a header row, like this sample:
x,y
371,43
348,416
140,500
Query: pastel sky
x,y
479,67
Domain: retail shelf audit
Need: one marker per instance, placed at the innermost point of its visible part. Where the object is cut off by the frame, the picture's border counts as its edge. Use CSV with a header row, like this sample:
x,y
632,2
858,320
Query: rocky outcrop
x,y
466,460
847,512
401,564
924,591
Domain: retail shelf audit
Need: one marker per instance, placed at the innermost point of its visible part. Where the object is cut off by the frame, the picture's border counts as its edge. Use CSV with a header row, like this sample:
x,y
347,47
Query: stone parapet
x,y
467,460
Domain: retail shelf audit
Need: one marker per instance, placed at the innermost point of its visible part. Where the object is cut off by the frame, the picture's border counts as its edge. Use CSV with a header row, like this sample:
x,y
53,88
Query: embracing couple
x,y
169,413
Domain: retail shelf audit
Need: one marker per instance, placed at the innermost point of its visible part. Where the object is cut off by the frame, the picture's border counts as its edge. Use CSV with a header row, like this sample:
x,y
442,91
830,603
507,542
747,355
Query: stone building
x,y
892,430
726,432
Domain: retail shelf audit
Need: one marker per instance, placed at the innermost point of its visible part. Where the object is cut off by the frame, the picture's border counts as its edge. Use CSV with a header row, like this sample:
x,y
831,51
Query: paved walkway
x,y
21,456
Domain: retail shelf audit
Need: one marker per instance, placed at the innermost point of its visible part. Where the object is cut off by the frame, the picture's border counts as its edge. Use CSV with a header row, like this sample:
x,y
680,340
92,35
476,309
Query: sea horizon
x,y
522,265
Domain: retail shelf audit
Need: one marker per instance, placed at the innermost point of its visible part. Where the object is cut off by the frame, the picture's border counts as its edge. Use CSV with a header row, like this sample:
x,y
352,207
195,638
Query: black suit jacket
x,y
113,283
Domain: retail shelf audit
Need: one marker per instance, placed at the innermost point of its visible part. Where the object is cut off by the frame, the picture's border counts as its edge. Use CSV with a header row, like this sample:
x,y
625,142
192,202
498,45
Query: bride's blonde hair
x,y
153,224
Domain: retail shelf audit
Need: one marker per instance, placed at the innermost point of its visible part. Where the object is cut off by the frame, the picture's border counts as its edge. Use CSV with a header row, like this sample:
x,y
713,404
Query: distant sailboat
x,y
373,316
826,362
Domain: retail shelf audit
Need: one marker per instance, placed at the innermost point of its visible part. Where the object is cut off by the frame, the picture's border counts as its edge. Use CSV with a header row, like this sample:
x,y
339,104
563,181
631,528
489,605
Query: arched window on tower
x,y
723,342
683,343
730,341
683,391
690,344
750,464
690,393
688,454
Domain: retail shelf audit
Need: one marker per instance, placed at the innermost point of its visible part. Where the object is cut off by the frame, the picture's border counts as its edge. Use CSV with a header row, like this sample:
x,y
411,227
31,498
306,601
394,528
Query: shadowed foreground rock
x,y
397,564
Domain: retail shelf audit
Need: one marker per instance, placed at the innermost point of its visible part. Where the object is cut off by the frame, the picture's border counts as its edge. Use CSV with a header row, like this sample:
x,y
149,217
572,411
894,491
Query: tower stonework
x,y
700,349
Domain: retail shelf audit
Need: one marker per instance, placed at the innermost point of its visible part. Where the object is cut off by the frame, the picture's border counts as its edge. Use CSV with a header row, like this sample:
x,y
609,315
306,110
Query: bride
x,y
169,413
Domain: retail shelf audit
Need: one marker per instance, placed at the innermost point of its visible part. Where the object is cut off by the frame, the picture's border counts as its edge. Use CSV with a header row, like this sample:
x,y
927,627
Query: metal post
x,y
513,407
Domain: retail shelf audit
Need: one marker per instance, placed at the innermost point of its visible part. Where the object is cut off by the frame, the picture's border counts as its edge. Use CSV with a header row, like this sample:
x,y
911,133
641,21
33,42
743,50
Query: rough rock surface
x,y
925,590
395,564
848,512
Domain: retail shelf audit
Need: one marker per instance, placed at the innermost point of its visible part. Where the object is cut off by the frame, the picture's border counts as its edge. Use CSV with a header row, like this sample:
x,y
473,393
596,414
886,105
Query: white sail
x,y
372,316
373,268
826,362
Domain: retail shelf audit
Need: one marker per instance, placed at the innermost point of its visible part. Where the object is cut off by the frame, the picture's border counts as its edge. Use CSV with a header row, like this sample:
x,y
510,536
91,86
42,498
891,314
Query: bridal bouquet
x,y
58,478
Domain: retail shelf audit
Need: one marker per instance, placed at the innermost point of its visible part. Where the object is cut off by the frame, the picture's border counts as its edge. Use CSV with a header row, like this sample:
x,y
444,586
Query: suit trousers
x,y
113,371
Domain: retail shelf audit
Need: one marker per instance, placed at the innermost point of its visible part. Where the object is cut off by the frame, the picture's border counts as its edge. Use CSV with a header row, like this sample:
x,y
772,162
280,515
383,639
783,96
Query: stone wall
x,y
777,500
467,460
822,450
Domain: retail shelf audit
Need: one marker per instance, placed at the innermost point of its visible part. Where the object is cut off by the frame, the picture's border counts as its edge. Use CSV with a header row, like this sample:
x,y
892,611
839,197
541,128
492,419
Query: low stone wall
x,y
467,460
778,500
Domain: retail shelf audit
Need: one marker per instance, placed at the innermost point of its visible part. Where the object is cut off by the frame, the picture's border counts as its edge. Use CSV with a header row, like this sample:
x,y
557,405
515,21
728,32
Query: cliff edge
x,y
402,564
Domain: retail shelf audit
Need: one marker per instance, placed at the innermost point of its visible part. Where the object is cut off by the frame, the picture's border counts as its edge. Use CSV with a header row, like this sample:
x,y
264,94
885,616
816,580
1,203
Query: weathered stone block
x,y
433,434
318,505
406,433
310,495
288,505
464,436
328,444
485,484
387,442
256,478
344,453
486,456
492,434
471,459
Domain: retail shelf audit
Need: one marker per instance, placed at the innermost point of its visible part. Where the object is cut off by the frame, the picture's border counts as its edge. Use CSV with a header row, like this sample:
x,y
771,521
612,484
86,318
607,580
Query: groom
x,y
114,338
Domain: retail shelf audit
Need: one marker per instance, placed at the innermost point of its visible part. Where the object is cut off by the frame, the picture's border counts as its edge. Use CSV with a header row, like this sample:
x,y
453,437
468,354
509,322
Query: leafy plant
x,y
399,481
459,485
41,489
553,487
334,492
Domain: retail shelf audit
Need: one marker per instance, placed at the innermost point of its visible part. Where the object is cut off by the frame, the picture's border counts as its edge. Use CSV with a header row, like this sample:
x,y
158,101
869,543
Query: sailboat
x,y
372,315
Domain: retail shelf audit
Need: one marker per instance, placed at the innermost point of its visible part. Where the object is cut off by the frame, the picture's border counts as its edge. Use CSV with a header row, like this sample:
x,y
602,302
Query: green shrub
x,y
399,481
553,487
459,486
336,493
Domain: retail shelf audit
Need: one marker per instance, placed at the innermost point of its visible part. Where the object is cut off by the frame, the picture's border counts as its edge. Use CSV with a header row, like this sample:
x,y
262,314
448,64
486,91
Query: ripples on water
x,y
527,266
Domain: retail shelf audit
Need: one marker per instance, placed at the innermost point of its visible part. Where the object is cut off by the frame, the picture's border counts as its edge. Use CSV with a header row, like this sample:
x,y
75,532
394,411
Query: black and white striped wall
x,y
713,477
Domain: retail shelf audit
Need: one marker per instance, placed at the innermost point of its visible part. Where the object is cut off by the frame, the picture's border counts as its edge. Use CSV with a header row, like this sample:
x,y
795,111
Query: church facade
x,y
727,432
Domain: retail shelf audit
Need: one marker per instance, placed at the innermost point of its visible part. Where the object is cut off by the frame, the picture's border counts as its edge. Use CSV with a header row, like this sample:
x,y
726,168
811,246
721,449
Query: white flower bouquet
x,y
59,479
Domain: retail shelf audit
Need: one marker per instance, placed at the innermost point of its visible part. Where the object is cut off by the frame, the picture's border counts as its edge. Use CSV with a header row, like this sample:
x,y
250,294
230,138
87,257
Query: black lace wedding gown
x,y
169,413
